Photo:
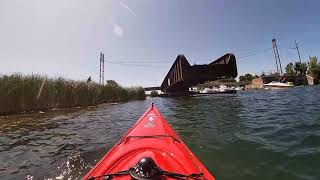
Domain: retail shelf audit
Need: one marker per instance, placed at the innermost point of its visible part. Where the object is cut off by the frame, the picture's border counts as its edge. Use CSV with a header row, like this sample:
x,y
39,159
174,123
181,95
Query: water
x,y
249,135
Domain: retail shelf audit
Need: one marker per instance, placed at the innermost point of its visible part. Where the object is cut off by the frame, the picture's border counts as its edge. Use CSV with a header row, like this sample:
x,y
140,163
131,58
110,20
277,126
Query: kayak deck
x,y
151,136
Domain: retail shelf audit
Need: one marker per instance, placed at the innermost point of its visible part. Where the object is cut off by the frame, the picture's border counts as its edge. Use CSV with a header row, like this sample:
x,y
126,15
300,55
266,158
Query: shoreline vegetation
x,y
27,93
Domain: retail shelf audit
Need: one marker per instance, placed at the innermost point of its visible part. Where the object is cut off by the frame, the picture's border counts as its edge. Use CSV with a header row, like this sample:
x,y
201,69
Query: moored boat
x,y
278,85
220,90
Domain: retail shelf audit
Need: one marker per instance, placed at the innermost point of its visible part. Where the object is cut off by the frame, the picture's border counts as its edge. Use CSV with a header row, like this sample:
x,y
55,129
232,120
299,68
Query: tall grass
x,y
19,93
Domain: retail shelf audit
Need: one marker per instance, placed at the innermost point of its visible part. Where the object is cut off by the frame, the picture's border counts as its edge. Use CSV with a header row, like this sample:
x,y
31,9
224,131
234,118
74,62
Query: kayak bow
x,y
149,150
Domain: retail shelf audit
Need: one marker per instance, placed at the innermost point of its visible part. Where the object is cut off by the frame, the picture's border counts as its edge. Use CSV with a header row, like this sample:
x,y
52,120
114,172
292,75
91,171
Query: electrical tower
x,y
101,75
276,55
297,47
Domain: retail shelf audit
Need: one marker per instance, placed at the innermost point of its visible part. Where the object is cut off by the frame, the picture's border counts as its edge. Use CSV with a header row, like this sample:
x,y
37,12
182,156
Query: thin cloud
x,y
129,9
117,30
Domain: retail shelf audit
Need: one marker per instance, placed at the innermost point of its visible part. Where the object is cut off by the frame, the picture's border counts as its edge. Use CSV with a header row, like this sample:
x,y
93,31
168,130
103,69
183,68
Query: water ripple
x,y
249,135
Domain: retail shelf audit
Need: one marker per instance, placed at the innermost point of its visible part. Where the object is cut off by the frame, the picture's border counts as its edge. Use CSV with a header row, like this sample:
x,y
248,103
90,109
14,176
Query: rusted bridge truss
x,y
182,75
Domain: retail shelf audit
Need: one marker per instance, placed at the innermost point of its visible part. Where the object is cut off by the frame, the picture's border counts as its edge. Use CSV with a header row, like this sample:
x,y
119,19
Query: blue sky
x,y
64,37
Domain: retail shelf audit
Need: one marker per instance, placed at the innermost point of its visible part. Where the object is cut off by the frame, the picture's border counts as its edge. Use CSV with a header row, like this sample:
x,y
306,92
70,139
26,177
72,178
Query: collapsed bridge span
x,y
182,75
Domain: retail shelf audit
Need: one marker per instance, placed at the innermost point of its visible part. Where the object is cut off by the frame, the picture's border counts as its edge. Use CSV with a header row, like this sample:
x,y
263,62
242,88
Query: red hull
x,y
151,136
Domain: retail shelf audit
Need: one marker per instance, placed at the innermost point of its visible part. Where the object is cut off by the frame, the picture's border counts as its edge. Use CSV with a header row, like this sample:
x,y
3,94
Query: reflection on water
x,y
249,135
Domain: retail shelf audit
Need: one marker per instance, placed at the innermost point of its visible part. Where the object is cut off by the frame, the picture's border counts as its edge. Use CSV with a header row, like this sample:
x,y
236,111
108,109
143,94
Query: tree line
x,y
247,78
312,68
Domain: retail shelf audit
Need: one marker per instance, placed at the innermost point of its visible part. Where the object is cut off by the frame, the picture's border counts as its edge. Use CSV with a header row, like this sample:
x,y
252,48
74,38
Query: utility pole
x,y
276,55
297,47
101,70
279,59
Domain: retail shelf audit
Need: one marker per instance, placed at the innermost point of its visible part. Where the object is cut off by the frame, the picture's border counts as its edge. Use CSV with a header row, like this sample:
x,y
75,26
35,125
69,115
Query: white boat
x,y
221,90
278,85
239,88
207,90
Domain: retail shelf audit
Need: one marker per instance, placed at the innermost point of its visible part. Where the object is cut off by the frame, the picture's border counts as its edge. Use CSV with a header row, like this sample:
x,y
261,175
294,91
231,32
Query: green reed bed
x,y
20,93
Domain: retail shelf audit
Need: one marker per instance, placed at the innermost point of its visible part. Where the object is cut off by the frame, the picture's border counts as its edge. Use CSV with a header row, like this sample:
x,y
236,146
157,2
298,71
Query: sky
x,y
141,38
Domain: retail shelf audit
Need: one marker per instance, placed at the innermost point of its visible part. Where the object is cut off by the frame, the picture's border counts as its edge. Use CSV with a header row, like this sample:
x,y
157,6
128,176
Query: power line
x,y
296,48
133,64
143,62
255,53
149,64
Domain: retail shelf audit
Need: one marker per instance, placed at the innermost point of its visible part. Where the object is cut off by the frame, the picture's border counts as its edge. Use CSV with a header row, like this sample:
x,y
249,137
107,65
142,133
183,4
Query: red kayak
x,y
150,150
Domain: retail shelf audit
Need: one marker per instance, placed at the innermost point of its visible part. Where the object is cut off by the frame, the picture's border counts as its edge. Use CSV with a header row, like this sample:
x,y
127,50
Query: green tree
x,y
303,68
300,68
289,69
246,78
314,67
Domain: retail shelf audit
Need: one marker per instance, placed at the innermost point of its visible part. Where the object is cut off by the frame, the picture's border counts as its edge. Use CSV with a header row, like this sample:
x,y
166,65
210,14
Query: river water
x,y
271,134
